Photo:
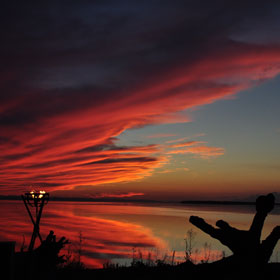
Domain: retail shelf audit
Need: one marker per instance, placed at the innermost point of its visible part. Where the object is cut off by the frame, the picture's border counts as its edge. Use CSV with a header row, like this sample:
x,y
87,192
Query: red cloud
x,y
63,139
117,195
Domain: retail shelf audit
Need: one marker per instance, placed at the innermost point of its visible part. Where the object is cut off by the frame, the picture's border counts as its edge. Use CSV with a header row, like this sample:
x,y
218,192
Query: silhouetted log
x,y
250,255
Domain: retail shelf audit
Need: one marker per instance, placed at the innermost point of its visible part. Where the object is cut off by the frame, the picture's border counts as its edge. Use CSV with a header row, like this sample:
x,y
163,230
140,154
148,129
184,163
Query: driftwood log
x,y
250,253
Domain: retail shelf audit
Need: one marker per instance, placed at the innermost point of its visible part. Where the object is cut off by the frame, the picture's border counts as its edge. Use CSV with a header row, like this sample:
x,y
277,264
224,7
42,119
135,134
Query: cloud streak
x,y
117,195
203,152
187,144
161,135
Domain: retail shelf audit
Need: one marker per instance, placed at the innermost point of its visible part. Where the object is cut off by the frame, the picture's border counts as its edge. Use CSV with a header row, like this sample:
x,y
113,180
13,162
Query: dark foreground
x,y
27,267
184,271
249,260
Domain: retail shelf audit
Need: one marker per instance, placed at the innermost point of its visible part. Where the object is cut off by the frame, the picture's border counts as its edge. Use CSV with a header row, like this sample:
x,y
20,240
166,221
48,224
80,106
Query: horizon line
x,y
85,199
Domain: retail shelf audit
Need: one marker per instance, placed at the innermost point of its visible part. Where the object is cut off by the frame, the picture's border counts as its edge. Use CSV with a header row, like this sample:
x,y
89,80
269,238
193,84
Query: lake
x,y
118,232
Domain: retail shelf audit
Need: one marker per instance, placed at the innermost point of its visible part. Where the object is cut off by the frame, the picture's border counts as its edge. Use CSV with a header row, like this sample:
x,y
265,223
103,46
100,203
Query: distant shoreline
x,y
218,202
190,202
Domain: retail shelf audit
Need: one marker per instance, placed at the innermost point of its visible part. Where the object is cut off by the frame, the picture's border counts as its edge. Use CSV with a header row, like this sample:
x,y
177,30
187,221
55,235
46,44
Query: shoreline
x,y
187,202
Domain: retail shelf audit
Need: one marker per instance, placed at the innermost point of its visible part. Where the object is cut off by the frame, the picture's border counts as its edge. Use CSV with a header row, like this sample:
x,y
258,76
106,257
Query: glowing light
x,y
41,194
34,197
37,194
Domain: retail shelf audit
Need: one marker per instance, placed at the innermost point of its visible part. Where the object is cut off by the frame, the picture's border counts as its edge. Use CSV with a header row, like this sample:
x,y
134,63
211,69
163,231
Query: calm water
x,y
117,231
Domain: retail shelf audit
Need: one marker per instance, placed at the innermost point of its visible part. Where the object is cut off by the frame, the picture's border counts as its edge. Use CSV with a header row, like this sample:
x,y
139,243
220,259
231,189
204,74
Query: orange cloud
x,y
187,144
186,138
93,165
201,151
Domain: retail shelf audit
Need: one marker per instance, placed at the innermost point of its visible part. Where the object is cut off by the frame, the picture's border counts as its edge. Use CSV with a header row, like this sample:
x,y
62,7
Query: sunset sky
x,y
165,100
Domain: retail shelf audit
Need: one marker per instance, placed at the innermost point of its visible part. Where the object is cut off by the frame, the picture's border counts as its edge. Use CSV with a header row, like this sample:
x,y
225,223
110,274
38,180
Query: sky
x,y
164,100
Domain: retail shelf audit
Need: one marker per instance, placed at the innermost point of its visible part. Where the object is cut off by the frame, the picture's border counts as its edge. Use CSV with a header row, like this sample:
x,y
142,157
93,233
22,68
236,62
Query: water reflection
x,y
116,231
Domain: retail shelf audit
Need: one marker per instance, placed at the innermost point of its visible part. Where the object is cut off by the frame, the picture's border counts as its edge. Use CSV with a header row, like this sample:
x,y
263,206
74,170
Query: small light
x,y
34,197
